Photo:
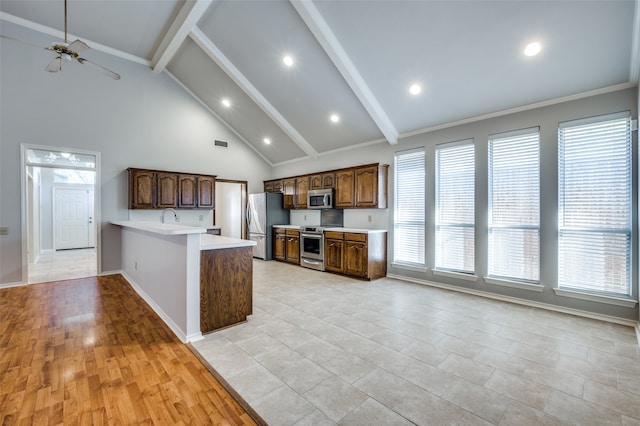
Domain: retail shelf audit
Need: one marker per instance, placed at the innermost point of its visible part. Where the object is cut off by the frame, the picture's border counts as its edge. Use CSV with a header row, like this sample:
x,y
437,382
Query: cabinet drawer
x,y
334,235
293,232
279,230
350,236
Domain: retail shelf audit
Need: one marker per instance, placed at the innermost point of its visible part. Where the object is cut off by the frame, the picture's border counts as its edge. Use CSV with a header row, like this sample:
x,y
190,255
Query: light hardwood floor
x,y
90,351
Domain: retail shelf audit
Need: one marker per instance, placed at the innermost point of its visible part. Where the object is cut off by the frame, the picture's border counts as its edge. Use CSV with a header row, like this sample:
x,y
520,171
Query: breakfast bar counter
x,y
196,282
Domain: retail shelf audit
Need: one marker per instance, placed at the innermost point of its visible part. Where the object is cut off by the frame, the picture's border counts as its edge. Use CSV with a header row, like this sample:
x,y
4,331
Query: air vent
x,y
222,144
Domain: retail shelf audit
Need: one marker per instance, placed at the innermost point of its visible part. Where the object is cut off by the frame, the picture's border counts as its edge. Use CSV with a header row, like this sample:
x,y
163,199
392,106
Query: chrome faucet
x,y
175,216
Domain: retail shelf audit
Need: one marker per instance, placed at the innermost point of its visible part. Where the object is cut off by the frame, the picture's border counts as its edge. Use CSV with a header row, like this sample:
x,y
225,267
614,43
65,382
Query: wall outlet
x,y
135,265
201,218
4,230
305,217
369,218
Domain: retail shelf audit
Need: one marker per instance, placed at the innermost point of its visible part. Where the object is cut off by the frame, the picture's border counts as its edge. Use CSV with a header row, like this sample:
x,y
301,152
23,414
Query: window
x,y
514,206
594,241
408,245
455,207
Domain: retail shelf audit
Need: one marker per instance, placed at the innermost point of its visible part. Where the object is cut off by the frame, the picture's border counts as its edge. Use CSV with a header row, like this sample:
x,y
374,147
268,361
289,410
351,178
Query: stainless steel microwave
x,y
320,199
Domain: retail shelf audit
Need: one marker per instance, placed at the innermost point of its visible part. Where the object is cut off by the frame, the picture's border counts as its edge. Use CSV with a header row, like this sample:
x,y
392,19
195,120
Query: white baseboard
x,y
530,303
167,320
16,284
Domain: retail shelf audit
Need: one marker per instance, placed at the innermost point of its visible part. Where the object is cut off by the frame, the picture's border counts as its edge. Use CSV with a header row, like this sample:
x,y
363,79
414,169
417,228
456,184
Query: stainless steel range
x,y
312,247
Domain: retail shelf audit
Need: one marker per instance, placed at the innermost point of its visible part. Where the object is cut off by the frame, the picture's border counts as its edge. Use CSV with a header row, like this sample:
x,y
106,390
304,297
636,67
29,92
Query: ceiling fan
x,y
68,51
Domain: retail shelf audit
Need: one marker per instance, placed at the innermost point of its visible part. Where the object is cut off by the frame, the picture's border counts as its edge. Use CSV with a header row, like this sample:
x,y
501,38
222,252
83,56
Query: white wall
x,y
144,120
547,118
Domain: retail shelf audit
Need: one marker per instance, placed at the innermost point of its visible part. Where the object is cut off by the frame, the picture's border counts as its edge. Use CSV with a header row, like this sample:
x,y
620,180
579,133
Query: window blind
x,y
455,207
409,213
594,241
514,206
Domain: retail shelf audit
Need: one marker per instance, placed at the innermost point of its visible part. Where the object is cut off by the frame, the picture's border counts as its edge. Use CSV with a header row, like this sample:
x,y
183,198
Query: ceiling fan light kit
x,y
69,51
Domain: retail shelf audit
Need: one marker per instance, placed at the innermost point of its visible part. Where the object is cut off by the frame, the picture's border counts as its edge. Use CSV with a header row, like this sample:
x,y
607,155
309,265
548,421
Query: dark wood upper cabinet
x,y
155,189
206,192
315,182
289,189
302,190
187,191
345,189
355,187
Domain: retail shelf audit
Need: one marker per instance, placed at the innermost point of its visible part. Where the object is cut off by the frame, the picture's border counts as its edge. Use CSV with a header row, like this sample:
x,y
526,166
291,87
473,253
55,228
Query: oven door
x,y
312,246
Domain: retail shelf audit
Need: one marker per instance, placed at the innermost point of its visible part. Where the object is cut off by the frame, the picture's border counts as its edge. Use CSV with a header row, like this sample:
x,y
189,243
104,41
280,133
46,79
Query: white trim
x,y
457,275
637,328
610,300
514,133
609,89
409,267
15,284
621,115
634,69
167,320
518,301
514,284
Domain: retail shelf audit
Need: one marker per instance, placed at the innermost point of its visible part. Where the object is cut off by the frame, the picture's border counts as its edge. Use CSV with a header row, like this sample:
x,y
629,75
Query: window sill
x,y
457,275
514,284
409,267
611,300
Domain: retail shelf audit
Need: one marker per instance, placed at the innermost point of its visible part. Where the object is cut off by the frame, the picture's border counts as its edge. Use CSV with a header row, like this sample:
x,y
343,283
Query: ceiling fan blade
x,y
100,68
78,46
55,65
23,42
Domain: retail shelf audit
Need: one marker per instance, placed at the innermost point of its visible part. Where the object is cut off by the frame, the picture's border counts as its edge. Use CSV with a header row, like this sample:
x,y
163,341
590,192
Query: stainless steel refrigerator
x,y
264,211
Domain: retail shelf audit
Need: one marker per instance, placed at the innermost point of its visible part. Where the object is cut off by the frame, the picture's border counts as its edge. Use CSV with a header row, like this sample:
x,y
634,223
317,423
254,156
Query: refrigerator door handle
x,y
248,217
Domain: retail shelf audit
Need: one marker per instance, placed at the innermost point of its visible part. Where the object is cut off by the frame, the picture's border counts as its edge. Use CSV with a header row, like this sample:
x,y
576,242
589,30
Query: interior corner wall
x,y
547,118
144,120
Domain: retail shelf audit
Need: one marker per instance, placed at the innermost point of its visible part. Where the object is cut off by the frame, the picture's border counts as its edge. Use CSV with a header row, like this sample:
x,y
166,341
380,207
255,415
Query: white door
x,y
72,222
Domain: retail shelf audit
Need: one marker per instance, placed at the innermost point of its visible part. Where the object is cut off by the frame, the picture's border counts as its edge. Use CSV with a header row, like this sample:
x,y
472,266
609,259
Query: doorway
x,y
59,196
231,207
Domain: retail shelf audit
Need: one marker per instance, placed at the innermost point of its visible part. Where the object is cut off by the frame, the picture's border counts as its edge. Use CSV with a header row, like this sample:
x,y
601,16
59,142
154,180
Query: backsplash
x,y
353,218
186,217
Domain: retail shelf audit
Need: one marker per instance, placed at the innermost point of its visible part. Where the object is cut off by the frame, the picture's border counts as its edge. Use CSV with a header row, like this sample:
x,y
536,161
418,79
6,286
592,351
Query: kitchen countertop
x,y
161,228
287,226
356,230
215,242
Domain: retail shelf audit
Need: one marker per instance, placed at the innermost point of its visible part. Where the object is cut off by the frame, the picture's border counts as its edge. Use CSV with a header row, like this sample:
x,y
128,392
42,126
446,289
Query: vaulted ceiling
x,y
356,59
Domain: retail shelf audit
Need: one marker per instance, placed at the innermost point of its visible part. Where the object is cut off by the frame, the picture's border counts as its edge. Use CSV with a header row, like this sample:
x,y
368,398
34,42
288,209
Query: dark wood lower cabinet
x,y
226,287
333,252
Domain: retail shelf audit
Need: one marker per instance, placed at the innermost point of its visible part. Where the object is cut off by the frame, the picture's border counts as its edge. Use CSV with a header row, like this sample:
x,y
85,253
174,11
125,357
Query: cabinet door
x,y
279,247
277,186
289,188
142,188
328,181
167,195
345,196
187,191
333,260
367,187
302,189
315,182
293,249
355,263
206,192
268,186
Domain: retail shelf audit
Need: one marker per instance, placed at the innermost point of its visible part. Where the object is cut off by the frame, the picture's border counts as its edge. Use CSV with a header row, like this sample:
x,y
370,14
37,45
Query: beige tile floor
x,y
321,349
63,265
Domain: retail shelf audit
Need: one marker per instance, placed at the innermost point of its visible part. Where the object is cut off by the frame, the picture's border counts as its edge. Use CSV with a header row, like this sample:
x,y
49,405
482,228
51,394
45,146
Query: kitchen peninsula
x,y
196,282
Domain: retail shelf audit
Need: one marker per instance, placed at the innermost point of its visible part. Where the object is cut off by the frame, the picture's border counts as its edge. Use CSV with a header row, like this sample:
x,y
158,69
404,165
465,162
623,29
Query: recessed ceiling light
x,y
334,117
415,89
288,60
226,102
267,141
533,49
